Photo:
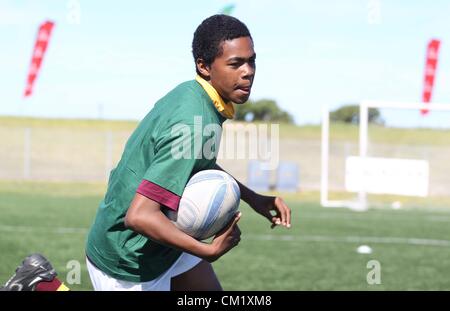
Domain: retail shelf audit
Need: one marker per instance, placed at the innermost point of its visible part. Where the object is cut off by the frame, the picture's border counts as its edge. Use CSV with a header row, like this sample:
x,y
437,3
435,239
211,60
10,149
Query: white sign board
x,y
387,176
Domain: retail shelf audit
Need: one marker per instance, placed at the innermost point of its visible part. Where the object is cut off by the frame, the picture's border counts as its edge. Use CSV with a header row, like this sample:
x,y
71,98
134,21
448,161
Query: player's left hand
x,y
274,209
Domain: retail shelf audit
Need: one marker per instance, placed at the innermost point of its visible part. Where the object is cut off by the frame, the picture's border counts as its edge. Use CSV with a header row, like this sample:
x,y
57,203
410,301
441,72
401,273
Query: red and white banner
x,y
43,37
430,71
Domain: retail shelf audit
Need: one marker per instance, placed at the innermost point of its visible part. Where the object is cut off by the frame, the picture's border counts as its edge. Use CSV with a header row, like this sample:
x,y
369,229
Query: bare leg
x,y
199,278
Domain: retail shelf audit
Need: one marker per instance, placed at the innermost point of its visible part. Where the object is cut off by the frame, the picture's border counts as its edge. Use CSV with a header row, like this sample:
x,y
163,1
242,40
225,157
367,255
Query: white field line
x,y
260,237
433,218
438,218
35,229
348,239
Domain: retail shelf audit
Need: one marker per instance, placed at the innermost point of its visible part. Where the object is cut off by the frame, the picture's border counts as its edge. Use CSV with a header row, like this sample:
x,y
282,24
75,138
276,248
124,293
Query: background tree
x,y
350,114
262,110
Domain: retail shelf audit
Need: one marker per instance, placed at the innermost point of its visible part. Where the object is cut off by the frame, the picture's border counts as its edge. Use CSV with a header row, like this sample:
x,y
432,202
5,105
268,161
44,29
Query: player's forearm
x,y
145,217
159,228
247,195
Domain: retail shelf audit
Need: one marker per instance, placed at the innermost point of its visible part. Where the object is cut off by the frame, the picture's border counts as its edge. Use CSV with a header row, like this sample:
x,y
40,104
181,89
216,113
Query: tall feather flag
x,y
40,46
430,71
228,10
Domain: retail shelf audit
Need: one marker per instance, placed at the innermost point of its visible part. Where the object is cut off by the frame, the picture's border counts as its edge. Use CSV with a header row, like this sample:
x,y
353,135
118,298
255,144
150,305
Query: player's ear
x,y
203,68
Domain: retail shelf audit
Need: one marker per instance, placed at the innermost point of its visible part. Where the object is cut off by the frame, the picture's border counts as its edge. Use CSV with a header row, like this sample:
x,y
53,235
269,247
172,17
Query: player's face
x,y
232,72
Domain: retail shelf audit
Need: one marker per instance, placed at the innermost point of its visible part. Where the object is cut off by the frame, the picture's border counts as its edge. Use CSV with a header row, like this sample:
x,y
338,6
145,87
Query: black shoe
x,y
34,269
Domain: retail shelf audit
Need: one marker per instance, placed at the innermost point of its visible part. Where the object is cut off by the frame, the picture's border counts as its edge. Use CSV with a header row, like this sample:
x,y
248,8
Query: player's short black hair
x,y
212,32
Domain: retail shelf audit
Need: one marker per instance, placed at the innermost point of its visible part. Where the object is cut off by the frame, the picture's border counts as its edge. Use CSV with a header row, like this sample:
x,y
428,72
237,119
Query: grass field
x,y
338,131
317,253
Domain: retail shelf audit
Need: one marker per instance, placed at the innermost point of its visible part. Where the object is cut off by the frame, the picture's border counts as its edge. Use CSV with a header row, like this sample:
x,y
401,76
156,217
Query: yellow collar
x,y
225,109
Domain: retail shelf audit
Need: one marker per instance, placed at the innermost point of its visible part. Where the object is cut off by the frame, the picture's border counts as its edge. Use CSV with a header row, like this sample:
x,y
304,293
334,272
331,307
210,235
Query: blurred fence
x,y
59,154
66,154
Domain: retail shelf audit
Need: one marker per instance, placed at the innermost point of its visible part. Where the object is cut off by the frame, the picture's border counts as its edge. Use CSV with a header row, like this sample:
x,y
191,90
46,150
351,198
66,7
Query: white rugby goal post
x,y
360,203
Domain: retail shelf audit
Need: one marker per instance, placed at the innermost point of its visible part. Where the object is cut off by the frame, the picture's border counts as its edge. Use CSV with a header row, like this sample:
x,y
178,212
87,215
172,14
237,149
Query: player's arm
x,y
273,208
145,217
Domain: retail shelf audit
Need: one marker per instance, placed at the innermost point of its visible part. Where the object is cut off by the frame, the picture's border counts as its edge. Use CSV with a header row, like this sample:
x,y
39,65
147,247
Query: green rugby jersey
x,y
164,151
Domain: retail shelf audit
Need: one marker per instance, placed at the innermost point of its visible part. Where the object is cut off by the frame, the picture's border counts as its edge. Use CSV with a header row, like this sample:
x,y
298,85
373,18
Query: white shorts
x,y
103,282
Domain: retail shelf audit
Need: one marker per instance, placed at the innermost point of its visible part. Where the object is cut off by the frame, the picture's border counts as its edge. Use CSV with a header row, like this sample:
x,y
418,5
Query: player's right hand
x,y
226,239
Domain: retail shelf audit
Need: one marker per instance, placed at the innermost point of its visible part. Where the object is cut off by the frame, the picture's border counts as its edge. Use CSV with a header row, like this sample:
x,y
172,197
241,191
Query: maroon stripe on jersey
x,y
159,194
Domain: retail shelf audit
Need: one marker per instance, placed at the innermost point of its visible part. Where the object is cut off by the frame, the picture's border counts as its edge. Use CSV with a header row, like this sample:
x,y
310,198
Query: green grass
x,y
317,253
377,134
91,124
338,131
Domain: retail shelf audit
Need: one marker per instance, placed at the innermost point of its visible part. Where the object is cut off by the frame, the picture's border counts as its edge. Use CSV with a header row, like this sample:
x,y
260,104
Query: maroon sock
x,y
51,286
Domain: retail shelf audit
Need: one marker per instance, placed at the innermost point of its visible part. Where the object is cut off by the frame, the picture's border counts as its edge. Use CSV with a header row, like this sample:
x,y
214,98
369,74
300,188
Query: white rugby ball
x,y
209,201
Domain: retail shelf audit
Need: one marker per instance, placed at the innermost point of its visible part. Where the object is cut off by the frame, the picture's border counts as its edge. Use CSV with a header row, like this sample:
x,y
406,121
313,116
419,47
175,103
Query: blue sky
x,y
119,57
